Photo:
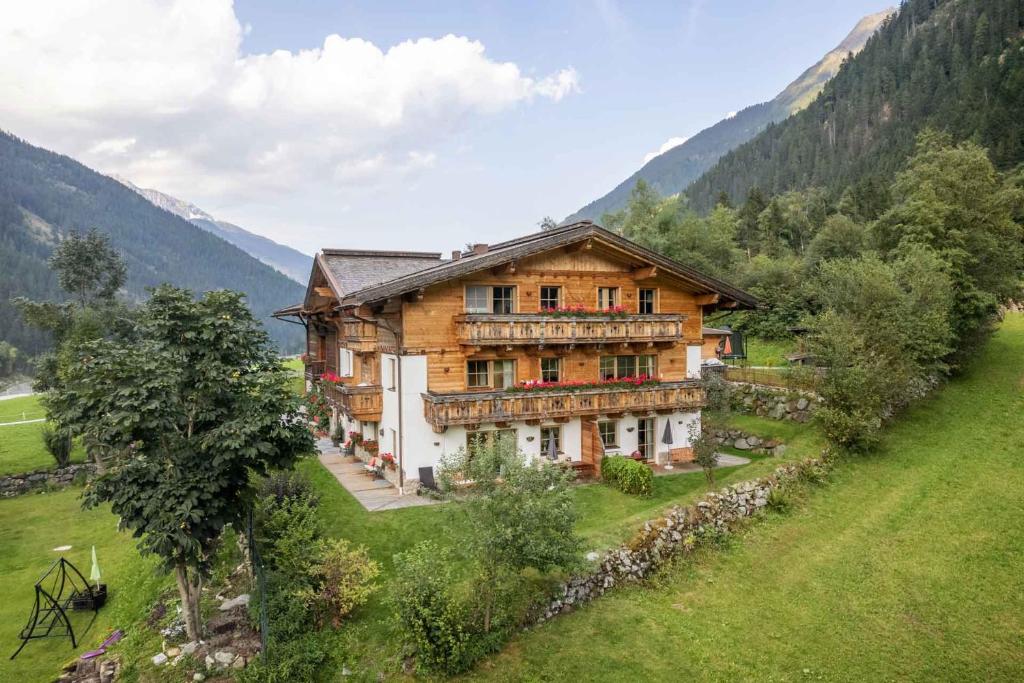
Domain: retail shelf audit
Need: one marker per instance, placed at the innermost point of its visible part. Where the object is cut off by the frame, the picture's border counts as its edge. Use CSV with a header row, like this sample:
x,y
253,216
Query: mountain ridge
x,y
291,262
670,172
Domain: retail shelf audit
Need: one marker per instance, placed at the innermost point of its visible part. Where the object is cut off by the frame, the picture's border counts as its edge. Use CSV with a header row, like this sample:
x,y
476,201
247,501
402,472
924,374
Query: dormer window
x,y
498,299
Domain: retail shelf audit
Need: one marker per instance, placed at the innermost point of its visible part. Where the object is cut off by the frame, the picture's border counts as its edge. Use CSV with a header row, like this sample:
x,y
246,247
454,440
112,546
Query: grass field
x,y
768,352
907,566
296,366
31,526
21,446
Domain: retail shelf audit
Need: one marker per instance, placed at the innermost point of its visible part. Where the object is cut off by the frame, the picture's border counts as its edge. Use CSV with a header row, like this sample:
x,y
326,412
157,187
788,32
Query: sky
x,y
387,125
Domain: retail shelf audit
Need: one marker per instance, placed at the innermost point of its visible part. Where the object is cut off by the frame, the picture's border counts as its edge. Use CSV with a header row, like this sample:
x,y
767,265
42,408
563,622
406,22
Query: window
x,y
394,444
346,362
619,367
547,436
488,299
607,297
550,297
550,369
392,373
647,301
487,439
490,374
609,433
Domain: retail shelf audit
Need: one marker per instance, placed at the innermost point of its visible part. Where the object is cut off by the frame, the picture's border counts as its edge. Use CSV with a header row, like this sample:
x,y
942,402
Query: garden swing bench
x,y
60,590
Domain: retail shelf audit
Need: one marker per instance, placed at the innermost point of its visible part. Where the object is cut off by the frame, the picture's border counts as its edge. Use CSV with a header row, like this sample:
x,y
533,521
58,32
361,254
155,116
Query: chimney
x,y
480,249
456,254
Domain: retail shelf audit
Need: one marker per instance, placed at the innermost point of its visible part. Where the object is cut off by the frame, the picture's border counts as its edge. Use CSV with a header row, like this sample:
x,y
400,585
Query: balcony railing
x,y
358,335
442,410
478,329
360,402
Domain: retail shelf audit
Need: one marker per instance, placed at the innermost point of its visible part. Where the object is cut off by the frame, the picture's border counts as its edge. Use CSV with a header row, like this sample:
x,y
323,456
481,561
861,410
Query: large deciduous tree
x,y
191,403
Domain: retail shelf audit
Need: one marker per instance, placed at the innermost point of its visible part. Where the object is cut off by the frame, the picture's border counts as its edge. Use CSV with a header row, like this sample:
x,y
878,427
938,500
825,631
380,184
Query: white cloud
x,y
730,115
665,146
161,92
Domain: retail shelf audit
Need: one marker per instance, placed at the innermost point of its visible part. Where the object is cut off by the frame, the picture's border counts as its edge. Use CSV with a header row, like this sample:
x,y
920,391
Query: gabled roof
x,y
536,243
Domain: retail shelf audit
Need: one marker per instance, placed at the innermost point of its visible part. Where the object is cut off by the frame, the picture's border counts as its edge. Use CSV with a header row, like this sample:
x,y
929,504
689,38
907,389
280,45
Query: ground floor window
x,y
547,436
488,438
609,431
645,437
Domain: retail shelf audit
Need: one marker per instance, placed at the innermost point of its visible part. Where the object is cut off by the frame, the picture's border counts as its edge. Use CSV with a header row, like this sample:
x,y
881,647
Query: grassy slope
x,y
908,566
30,527
768,352
21,446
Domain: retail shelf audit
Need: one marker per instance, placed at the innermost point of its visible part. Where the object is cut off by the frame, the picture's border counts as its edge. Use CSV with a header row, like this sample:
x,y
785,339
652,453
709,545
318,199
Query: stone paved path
x,y
373,494
724,460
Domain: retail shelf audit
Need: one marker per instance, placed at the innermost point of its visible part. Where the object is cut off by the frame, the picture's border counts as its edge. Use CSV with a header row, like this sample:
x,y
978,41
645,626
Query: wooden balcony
x,y
315,368
358,335
479,329
360,402
443,410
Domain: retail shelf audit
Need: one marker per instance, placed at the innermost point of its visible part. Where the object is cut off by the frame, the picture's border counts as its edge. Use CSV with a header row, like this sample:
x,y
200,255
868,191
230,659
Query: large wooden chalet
x,y
432,354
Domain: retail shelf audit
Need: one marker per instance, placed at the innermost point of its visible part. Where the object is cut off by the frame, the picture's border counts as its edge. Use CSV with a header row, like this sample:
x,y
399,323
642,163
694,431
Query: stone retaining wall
x,y
681,530
17,484
773,402
745,441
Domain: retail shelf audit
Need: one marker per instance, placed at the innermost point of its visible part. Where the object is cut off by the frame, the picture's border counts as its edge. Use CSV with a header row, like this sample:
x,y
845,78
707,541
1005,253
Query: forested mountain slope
x,y
44,196
291,262
672,171
955,65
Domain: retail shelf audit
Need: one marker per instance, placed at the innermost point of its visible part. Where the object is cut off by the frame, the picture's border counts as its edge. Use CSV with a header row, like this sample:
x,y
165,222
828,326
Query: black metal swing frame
x,y
56,593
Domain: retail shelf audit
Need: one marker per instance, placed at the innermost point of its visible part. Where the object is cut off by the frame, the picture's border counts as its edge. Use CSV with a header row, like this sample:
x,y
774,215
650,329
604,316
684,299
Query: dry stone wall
x,y
773,402
746,441
17,484
681,530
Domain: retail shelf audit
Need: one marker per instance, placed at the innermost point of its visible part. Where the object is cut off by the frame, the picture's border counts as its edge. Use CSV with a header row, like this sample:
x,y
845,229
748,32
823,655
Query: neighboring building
x,y
714,342
434,353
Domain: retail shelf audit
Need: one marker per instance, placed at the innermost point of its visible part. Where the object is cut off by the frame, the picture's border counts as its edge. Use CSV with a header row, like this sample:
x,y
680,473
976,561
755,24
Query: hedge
x,y
628,475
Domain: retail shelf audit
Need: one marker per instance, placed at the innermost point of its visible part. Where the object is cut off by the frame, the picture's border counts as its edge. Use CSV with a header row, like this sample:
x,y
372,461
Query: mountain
x,y
44,196
672,171
953,65
291,262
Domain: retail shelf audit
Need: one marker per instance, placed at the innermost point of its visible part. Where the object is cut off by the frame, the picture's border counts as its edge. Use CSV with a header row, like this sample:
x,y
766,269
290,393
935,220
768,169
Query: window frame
x,y
346,362
392,377
615,296
491,373
639,360
540,297
614,424
655,300
557,431
492,302
558,368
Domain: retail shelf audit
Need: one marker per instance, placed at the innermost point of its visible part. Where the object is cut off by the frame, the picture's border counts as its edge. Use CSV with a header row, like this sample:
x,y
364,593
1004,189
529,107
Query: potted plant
x,y
371,447
337,435
91,598
389,461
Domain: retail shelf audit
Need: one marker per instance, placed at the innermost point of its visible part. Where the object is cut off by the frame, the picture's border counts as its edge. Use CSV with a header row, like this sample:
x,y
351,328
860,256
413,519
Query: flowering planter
x,y
90,599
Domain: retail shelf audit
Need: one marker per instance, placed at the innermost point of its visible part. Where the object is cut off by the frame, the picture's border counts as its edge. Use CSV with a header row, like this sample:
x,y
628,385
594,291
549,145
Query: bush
x,y
434,618
627,475
299,659
342,578
58,444
282,485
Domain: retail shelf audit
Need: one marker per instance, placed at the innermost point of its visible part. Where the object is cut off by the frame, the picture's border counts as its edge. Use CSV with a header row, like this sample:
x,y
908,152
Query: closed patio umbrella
x,y
94,575
727,349
666,439
552,449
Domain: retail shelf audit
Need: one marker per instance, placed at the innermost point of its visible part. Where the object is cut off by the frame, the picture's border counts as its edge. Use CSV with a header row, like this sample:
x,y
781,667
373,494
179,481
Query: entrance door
x,y
645,437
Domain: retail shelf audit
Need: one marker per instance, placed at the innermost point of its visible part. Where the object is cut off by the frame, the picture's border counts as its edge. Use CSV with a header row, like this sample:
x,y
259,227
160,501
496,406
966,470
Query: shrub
x,y
434,618
298,659
342,578
627,475
705,449
281,485
58,444
287,529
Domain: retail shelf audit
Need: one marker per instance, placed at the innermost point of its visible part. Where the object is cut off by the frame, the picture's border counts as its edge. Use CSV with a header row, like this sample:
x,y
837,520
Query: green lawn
x,y
768,352
909,565
299,381
31,527
21,446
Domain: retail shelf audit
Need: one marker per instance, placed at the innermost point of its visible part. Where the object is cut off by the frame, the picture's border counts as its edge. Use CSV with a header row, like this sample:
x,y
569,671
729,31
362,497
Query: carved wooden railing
x,y
442,410
360,402
358,335
478,329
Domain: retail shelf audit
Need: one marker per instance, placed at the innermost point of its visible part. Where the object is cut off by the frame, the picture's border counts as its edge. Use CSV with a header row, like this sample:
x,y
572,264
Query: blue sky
x,y
293,150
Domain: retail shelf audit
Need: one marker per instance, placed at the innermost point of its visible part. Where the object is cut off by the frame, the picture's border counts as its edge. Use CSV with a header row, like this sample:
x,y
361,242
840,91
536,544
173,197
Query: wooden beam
x,y
323,291
645,273
505,269
729,304
707,299
583,245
